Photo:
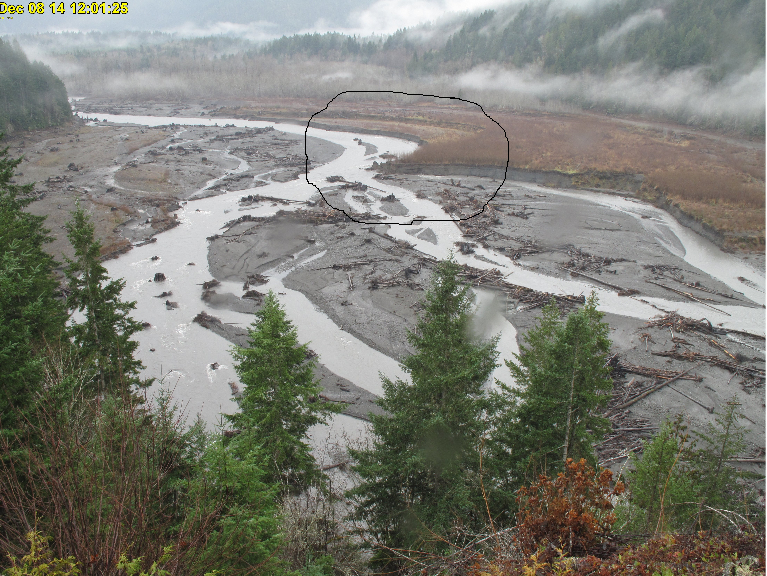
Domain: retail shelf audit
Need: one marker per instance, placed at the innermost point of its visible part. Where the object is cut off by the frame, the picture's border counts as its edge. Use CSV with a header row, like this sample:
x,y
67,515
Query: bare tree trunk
x,y
569,416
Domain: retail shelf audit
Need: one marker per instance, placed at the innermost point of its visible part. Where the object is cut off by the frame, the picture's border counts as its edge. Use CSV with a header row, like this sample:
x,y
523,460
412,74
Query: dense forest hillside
x,y
697,62
31,95
722,35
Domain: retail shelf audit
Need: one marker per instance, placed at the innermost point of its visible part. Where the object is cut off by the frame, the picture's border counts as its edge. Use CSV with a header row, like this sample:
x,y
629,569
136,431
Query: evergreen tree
x,y
662,488
31,95
280,400
563,380
716,479
421,476
30,315
104,337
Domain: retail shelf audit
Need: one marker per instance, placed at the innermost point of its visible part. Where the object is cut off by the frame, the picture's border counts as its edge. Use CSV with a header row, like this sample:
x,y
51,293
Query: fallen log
x,y
718,345
698,286
336,465
655,372
690,356
656,388
621,291
690,296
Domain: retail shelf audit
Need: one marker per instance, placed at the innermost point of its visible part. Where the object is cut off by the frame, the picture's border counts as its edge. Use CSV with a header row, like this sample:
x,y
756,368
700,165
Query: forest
x,y
32,95
703,61
98,477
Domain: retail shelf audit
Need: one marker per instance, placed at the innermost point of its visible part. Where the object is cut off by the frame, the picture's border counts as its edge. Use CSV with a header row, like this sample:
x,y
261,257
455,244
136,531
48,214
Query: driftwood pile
x,y
734,367
402,277
206,320
256,198
585,262
628,433
677,323
623,367
356,186
527,297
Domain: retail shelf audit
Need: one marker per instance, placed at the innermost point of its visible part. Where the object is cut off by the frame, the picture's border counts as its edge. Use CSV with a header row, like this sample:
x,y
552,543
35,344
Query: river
x,y
180,352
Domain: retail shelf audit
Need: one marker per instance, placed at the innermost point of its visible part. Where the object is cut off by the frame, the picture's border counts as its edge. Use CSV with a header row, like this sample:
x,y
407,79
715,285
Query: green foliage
x,y
40,561
660,484
30,315
114,477
329,46
133,567
104,337
684,34
421,477
31,96
231,504
682,483
563,379
716,479
280,400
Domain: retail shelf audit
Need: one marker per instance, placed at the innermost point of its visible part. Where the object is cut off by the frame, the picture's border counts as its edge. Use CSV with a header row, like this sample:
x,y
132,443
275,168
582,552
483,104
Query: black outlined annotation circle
x,y
415,220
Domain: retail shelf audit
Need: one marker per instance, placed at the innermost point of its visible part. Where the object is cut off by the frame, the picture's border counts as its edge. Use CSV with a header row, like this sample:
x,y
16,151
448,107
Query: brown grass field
x,y
717,178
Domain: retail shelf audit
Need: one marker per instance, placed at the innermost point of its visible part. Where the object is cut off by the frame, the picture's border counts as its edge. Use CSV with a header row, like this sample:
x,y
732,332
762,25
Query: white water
x,y
184,350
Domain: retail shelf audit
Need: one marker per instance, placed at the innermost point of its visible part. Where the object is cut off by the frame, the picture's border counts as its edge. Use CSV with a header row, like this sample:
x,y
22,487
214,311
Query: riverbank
x,y
709,181
358,285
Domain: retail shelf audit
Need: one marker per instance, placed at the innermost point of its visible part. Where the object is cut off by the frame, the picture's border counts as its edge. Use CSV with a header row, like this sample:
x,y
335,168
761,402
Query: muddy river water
x,y
182,353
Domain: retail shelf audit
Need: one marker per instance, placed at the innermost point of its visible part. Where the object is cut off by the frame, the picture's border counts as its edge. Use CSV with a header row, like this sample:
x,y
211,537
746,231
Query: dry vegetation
x,y
715,179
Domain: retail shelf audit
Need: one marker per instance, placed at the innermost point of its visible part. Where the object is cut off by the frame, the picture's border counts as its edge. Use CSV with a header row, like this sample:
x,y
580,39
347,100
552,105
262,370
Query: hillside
x,y
722,36
31,95
699,63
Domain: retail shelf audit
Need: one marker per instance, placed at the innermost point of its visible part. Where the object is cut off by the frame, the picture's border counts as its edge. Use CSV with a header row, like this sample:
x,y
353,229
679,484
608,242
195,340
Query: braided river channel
x,y
181,353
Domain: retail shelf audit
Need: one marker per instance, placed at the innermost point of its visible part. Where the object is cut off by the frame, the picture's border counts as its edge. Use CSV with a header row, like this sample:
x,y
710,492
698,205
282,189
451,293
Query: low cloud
x,y
259,31
147,84
685,94
339,75
388,16
631,23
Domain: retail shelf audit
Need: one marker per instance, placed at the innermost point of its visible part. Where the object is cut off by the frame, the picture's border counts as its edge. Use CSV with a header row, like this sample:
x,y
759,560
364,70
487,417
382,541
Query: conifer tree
x,y
421,476
563,380
280,400
30,315
104,337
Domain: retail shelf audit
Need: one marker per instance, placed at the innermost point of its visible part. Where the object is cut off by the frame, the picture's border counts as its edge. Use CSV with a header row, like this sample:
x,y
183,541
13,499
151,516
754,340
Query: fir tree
x,y
662,489
563,380
716,479
421,476
280,400
104,337
30,315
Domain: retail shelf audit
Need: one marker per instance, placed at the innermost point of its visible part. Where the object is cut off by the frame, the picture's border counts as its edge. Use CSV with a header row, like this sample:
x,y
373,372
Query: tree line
x,y
96,477
668,36
31,95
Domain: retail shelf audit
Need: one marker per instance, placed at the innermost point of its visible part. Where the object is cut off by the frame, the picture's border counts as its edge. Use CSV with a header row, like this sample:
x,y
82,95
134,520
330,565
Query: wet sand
x,y
131,178
370,284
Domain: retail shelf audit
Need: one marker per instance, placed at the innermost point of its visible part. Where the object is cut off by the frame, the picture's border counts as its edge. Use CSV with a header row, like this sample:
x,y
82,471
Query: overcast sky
x,y
256,20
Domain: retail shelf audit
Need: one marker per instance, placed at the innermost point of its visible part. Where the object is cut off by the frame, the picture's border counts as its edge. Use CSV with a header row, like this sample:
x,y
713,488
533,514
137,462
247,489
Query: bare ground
x,y
131,180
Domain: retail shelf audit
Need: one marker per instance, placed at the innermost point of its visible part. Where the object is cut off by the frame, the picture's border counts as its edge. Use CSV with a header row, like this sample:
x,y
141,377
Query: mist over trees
x,y
695,62
31,95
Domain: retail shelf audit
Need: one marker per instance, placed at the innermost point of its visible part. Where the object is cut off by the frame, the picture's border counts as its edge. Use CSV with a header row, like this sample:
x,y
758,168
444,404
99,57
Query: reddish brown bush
x,y
568,512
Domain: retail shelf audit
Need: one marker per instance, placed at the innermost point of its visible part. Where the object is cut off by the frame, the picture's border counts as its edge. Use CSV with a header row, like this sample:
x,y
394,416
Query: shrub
x,y
568,512
40,561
